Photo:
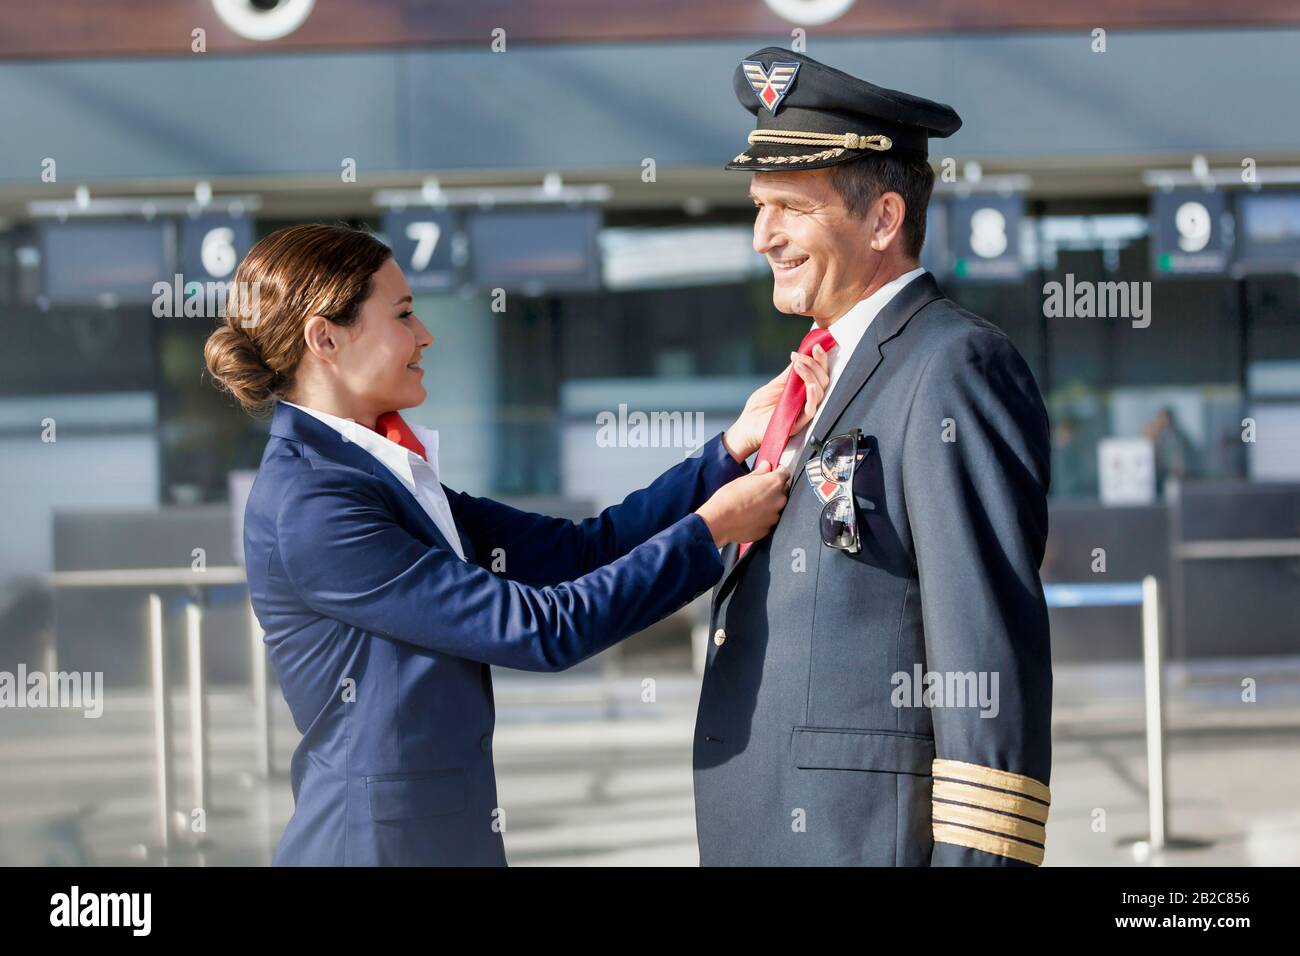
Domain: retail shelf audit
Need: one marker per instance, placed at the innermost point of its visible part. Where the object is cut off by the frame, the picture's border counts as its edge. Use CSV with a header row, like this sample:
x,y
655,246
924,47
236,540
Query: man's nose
x,y
764,234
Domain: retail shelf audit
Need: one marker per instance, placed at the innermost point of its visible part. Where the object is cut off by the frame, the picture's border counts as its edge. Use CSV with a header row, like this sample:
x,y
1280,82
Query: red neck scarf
x,y
391,426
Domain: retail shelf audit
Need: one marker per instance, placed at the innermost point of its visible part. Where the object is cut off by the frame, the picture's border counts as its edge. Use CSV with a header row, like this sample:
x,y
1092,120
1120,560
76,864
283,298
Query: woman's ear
x,y
319,335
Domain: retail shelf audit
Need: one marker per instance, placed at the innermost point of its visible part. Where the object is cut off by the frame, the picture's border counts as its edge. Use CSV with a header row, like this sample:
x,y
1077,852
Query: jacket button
x,y
485,743
719,637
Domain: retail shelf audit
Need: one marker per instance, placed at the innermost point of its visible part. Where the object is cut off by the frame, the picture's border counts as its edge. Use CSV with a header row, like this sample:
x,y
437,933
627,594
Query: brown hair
x,y
863,181
286,278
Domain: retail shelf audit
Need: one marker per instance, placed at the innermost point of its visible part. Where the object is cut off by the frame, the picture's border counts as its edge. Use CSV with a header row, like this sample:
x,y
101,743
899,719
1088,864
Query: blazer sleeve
x,y
347,558
539,550
976,473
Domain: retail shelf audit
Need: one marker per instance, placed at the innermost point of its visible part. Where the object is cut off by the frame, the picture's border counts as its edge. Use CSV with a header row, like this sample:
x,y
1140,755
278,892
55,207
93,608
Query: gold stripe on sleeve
x,y
988,842
989,777
990,799
989,820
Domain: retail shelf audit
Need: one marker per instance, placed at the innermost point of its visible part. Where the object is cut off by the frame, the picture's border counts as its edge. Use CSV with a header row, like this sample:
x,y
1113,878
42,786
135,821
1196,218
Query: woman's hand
x,y
746,433
746,508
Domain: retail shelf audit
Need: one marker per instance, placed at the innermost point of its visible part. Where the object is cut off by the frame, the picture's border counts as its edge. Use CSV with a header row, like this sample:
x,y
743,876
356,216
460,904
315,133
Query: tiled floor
x,y
591,775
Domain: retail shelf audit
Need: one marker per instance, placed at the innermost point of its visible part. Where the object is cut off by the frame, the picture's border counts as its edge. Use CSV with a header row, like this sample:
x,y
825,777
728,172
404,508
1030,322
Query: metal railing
x,y
1146,595
195,584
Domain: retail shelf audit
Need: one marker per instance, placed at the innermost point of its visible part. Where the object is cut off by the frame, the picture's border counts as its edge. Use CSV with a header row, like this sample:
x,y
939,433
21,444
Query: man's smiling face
x,y
820,253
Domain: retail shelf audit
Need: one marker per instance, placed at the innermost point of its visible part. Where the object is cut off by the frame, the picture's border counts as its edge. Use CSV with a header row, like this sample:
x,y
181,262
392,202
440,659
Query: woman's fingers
x,y
822,365
814,399
811,371
816,377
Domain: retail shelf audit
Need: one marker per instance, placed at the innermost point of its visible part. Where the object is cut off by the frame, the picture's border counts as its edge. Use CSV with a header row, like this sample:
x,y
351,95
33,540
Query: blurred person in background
x,y
1174,452
385,596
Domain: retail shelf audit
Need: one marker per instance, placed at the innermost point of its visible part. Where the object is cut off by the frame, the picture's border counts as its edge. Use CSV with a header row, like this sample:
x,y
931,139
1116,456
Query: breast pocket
x,y
408,796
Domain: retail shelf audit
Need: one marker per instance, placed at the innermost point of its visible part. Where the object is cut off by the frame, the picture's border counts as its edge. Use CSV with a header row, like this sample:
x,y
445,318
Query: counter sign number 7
x,y
425,236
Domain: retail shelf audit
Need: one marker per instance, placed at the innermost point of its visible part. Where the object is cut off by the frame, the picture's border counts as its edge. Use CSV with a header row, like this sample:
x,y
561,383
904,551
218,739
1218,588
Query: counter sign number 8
x,y
988,233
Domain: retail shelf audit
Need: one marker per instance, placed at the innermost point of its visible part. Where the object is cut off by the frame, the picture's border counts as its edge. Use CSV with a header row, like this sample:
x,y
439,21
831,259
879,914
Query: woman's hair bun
x,y
284,280
234,361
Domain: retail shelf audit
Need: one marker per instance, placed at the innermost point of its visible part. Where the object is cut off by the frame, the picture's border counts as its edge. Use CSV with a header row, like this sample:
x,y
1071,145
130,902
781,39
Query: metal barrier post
x,y
198,703
49,650
1147,595
1176,623
161,720
261,696
153,580
1153,681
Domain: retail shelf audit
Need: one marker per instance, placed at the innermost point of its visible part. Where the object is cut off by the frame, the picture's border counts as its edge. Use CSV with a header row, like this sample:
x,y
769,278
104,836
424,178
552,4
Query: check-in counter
x,y
1227,555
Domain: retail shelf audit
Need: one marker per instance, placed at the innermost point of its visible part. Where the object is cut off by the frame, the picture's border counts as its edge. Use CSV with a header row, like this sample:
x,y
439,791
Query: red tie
x,y
787,410
391,426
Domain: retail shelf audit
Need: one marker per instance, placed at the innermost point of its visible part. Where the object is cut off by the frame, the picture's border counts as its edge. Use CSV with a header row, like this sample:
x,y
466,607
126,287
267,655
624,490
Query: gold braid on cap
x,y
838,142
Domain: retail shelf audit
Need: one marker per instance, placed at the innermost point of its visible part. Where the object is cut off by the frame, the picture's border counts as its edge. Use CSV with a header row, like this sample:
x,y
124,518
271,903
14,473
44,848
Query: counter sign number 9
x,y
1192,220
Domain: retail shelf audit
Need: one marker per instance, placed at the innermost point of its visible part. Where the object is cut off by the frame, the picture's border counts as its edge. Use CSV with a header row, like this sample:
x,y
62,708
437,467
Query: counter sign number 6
x,y
217,252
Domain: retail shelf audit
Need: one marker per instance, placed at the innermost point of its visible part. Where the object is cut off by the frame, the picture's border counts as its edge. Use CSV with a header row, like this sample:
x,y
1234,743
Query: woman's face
x,y
379,365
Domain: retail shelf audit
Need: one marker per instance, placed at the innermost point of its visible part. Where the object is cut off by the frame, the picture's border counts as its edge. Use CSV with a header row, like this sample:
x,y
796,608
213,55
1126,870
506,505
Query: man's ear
x,y
888,211
320,336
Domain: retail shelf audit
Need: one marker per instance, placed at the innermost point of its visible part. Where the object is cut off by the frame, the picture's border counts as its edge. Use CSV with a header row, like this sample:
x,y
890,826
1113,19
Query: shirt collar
x,y
849,328
395,457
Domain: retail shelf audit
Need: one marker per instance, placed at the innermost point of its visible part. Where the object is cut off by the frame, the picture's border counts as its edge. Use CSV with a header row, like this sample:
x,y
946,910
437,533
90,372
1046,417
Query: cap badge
x,y
770,85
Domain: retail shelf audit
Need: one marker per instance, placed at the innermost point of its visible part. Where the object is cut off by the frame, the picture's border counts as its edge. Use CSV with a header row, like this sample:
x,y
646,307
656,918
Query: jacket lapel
x,y
466,546
291,424
918,293
866,358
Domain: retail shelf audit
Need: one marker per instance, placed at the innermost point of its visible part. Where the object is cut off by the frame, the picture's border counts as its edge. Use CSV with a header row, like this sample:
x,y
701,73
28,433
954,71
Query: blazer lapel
x,y
466,545
291,424
866,358
918,293
731,565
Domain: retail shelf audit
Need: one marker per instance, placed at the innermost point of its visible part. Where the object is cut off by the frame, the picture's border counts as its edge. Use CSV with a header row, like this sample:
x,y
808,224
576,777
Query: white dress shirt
x,y
847,331
418,476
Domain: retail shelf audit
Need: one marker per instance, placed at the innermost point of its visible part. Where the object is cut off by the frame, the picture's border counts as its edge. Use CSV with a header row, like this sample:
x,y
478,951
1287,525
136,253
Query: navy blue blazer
x,y
381,636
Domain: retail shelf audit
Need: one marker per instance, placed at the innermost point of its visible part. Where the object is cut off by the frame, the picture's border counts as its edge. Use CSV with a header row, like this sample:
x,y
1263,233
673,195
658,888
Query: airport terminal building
x,y
552,187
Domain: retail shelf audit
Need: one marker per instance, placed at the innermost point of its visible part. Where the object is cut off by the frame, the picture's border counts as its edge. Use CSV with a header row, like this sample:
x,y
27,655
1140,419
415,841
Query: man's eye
x,y
406,315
